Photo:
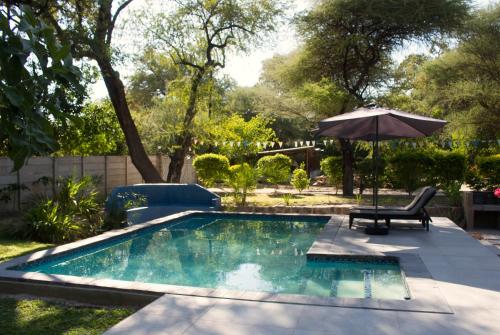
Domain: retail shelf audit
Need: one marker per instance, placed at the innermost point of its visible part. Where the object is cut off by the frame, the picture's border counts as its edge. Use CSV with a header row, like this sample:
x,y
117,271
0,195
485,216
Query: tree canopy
x,y
38,84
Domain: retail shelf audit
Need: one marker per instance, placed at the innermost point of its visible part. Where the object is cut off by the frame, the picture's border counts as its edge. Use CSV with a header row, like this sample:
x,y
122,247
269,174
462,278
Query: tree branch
x,y
113,20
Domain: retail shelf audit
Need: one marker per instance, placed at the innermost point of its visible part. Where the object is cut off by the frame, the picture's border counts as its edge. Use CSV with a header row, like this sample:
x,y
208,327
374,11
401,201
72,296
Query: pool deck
x,y
446,268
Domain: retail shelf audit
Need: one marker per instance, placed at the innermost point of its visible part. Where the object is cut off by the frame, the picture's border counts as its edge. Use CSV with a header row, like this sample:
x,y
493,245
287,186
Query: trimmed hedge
x,y
211,168
275,169
489,170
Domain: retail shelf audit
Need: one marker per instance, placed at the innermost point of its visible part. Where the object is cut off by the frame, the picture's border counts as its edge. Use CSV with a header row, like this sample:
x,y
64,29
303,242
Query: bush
x,y
275,169
364,173
211,168
75,212
484,173
116,212
448,168
410,169
332,168
299,179
489,171
242,178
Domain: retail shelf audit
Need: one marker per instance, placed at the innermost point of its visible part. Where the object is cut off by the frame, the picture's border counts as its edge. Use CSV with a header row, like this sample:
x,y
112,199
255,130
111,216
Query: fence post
x,y
126,170
81,168
18,191
53,176
105,175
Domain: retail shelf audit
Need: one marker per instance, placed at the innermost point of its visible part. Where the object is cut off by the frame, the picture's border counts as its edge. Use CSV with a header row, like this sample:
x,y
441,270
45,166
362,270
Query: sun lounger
x,y
414,211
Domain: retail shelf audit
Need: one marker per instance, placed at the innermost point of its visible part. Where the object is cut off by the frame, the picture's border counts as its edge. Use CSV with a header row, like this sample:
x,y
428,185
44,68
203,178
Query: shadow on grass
x,y
40,317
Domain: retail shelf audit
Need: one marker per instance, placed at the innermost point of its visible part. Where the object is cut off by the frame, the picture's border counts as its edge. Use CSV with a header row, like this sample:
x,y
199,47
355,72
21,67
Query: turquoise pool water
x,y
249,252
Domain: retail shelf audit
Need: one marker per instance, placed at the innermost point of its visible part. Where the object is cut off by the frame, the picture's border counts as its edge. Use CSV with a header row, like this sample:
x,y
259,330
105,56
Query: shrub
x,y
275,169
364,172
410,169
489,171
116,212
242,178
74,212
332,168
448,168
299,179
211,168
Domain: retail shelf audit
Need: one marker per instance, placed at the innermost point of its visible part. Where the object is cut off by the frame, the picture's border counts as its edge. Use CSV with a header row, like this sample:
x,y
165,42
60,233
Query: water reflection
x,y
242,254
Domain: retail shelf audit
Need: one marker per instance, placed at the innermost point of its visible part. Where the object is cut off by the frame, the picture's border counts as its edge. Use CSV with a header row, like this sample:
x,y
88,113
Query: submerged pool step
x,y
367,279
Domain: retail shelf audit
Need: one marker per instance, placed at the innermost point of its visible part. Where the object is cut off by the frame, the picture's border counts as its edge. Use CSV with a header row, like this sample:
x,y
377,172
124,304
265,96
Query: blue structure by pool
x,y
265,253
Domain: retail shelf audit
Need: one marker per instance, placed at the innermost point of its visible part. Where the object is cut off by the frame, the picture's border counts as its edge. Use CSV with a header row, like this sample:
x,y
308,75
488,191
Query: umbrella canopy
x,y
361,124
374,124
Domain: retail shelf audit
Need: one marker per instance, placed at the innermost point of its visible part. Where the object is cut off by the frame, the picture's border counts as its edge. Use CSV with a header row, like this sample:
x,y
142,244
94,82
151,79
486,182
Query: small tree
x,y
332,168
242,178
299,179
211,168
274,169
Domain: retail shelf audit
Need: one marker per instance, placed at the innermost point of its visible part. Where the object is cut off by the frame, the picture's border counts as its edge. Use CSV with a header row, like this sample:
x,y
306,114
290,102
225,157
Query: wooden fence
x,y
111,171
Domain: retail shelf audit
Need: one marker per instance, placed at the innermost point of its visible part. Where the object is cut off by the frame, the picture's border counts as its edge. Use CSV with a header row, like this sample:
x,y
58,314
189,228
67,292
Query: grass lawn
x,y
10,248
35,316
309,199
40,317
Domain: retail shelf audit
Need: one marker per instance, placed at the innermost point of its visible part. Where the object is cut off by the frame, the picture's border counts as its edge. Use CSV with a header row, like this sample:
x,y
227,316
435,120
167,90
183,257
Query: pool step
x,y
367,277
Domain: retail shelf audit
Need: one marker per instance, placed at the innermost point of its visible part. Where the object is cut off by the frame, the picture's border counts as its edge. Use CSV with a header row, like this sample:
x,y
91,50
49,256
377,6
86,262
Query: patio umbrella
x,y
376,124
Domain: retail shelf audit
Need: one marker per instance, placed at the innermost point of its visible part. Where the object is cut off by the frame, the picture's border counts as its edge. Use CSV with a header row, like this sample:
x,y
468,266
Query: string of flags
x,y
270,145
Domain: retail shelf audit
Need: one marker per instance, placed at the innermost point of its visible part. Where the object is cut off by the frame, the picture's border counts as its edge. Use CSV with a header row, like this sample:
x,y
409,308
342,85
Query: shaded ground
x,y
38,317
21,315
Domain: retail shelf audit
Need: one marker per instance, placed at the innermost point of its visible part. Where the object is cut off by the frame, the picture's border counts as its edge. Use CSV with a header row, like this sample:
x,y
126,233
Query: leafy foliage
x,y
275,169
448,167
95,132
75,212
300,180
332,168
409,169
211,168
38,84
244,135
242,178
489,171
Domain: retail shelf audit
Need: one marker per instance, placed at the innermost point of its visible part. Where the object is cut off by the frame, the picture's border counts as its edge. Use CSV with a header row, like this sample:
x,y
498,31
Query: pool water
x,y
245,253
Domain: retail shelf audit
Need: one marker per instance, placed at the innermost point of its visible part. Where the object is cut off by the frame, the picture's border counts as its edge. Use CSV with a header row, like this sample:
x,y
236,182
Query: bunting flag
x,y
272,145
325,142
308,143
216,143
231,144
301,143
313,143
280,144
295,144
331,141
195,141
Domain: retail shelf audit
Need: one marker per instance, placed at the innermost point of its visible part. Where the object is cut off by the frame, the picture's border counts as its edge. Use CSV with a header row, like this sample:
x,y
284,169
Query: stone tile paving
x,y
466,272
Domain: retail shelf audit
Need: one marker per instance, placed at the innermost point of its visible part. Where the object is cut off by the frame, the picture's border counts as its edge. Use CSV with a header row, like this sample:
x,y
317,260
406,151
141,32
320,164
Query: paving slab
x,y
459,271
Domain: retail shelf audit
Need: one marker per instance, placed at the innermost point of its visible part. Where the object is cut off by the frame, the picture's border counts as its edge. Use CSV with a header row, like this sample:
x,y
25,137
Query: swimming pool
x,y
265,253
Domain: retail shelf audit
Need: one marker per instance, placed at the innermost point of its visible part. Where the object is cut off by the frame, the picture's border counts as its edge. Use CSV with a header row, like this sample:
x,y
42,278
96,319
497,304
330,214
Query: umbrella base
x,y
376,230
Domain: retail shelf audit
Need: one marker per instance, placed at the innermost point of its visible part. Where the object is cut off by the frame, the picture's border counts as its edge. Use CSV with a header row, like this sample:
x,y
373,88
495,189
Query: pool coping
x,y
425,293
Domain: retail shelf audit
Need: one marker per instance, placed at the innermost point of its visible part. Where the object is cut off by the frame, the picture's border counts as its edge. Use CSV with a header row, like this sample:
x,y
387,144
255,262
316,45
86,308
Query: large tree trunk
x,y
136,150
184,138
347,167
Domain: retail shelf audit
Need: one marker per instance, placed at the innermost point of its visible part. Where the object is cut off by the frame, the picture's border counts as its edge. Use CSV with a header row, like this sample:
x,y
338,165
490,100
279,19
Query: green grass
x,y
10,248
38,317
310,199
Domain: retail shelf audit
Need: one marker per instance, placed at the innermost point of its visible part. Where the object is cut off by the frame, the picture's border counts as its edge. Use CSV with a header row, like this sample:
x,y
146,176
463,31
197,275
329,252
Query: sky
x,y
245,69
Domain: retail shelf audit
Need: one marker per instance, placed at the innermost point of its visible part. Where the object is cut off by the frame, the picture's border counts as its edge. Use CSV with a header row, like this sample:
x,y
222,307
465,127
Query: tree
x,y
88,26
238,138
299,180
96,131
197,35
350,42
463,84
38,84
242,178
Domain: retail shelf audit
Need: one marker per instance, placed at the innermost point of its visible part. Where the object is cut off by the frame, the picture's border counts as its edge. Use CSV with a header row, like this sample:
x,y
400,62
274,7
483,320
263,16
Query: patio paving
x,y
466,273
